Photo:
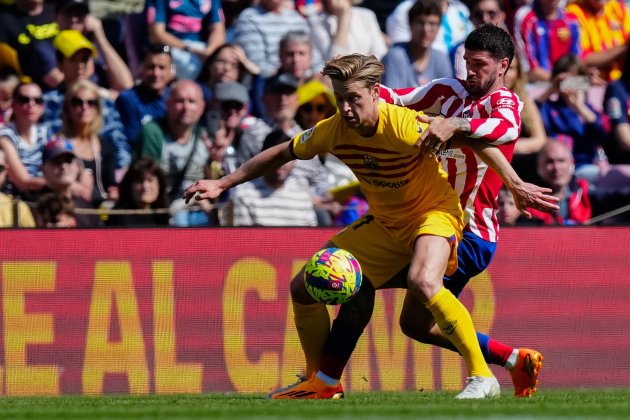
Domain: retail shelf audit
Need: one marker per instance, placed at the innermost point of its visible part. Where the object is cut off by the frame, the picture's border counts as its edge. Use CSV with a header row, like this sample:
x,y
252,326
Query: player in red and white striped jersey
x,y
481,109
494,118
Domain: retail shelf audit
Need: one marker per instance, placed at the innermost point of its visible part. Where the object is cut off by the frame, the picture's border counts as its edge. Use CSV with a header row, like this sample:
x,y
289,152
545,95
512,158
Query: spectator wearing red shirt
x,y
557,171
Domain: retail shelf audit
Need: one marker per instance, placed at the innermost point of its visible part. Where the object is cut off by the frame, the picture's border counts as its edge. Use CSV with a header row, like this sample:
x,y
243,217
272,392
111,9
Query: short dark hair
x,y
425,8
52,205
275,138
157,48
493,39
567,63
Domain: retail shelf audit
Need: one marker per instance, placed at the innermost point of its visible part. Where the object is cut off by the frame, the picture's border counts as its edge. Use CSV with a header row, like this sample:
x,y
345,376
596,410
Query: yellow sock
x,y
455,322
313,326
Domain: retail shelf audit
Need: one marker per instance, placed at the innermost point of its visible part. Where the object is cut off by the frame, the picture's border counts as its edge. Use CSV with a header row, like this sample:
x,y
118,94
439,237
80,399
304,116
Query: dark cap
x,y
81,6
231,91
56,147
282,83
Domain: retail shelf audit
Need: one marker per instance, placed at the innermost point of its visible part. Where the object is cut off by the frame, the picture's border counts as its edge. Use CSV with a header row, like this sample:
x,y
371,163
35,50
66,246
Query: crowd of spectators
x,y
105,121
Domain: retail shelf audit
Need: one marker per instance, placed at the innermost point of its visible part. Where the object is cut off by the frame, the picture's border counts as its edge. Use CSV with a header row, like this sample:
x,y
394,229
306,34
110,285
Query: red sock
x,y
499,352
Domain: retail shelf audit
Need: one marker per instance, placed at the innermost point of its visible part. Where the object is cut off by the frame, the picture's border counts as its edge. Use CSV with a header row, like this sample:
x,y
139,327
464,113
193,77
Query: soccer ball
x,y
333,276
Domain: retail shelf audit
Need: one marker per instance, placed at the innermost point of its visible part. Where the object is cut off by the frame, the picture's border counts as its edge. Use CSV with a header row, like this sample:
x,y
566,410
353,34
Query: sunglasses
x,y
78,102
62,159
231,105
23,99
309,108
2,168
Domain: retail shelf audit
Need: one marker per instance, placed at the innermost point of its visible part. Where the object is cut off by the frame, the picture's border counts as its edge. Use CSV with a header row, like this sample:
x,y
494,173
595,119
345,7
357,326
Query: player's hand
x,y
204,189
532,196
437,134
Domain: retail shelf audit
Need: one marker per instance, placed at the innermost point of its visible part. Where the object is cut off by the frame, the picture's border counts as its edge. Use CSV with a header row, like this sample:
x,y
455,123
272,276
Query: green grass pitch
x,y
568,404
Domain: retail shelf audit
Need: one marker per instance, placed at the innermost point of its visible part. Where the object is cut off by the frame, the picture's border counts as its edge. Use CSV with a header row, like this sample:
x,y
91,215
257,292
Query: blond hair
x,y
355,67
69,128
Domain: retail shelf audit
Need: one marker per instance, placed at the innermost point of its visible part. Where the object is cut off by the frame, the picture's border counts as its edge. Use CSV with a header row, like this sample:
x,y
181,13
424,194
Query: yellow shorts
x,y
383,251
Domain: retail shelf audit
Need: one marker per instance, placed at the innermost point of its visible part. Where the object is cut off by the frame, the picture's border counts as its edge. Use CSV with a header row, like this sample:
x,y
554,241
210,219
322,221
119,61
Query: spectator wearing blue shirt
x,y
147,100
569,118
75,54
417,62
193,28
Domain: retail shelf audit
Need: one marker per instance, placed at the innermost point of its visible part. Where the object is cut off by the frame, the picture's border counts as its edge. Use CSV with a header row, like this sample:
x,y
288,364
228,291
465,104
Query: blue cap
x,y
57,147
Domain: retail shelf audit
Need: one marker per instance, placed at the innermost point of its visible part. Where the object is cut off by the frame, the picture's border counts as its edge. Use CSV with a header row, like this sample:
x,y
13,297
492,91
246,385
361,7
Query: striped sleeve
x,y
500,121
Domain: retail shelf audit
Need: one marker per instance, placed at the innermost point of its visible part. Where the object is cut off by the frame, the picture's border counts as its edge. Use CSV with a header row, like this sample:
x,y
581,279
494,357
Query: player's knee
x,y
424,284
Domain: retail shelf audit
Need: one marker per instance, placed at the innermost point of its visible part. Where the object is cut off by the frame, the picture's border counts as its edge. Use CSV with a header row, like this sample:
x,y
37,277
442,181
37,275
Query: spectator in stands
x,y
605,28
228,63
62,170
616,106
75,54
544,33
259,30
147,100
315,103
180,144
82,120
533,136
557,170
142,188
227,119
296,61
275,199
55,210
27,28
8,82
341,28
481,12
280,101
568,117
22,141
353,202
9,208
455,25
110,69
417,62
193,29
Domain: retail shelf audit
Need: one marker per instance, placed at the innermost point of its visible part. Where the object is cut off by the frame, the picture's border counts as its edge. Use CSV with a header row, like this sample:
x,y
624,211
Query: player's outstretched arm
x,y
526,195
263,162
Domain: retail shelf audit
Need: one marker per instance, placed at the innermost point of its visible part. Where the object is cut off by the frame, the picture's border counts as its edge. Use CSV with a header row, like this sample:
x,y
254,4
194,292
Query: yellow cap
x,y
312,89
70,41
342,193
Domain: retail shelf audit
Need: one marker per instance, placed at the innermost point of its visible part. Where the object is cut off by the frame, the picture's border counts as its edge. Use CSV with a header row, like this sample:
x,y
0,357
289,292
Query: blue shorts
x,y
473,256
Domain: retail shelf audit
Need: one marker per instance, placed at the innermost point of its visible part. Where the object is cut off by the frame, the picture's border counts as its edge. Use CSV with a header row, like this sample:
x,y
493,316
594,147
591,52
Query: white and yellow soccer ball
x,y
333,276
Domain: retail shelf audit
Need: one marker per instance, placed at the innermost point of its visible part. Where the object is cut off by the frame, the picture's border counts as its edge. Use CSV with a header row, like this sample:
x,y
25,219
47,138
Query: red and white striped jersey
x,y
494,118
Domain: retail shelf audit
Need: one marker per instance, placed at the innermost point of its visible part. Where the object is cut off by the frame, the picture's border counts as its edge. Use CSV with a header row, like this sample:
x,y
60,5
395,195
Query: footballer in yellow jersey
x,y
415,218
407,191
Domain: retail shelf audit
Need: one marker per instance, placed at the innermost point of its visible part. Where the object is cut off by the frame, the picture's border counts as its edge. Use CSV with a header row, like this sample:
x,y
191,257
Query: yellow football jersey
x,y
398,181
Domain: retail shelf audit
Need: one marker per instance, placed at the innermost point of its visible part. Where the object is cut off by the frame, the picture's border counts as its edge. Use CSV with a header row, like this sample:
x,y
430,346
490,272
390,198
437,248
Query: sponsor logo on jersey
x,y
307,135
506,102
387,184
370,162
450,153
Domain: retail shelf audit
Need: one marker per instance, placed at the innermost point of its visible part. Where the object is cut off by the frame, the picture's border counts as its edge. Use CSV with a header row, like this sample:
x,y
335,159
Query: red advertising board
x,y
203,310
